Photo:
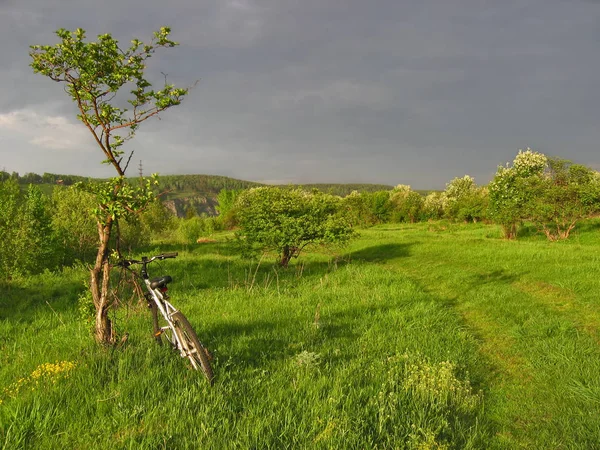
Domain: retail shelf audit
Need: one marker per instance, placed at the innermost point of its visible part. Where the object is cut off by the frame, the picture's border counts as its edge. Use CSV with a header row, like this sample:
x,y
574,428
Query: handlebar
x,y
146,260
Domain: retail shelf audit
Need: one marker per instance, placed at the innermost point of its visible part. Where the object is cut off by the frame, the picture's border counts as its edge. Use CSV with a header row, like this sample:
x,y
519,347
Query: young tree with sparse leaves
x,y
95,74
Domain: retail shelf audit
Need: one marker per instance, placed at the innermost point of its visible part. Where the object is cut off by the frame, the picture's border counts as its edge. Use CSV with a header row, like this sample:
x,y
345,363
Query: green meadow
x,y
425,336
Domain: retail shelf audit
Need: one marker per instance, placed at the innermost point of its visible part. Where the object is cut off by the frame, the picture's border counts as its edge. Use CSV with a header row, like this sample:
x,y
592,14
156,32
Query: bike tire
x,y
196,352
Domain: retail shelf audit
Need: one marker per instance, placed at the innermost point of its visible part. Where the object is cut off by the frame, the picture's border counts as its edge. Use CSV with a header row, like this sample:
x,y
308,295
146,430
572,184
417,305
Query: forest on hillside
x,y
187,195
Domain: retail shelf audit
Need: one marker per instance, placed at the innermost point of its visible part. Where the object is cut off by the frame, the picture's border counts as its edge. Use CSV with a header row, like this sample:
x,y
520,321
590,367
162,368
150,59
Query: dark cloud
x,y
331,91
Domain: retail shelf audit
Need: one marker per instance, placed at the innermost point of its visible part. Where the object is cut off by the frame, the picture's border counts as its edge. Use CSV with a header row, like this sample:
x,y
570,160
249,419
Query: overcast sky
x,y
384,91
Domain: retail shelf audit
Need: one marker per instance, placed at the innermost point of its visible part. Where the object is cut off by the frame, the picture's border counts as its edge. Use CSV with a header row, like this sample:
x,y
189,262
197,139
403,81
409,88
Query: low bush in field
x,y
190,230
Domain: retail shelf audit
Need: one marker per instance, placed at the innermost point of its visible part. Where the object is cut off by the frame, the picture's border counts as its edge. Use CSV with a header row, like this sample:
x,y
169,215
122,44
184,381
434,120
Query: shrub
x,y
133,233
357,209
190,230
157,218
287,220
10,197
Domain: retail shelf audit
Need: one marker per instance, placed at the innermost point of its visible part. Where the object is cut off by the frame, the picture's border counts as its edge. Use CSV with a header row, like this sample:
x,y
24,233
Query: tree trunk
x,y
286,255
99,285
510,231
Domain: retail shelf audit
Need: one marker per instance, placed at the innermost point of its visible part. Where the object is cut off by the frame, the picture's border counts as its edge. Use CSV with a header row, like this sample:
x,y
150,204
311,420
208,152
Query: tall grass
x,y
420,336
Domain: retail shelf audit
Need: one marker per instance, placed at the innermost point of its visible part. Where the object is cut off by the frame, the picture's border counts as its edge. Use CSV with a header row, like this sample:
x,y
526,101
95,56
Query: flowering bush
x,y
434,205
464,200
407,205
552,193
459,187
529,163
511,190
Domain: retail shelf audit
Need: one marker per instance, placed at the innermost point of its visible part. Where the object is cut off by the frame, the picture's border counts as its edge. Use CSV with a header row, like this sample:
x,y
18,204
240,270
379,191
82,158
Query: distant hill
x,y
199,192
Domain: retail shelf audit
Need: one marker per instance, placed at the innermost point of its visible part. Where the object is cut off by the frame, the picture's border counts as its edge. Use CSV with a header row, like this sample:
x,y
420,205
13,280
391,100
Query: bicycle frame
x,y
165,308
177,330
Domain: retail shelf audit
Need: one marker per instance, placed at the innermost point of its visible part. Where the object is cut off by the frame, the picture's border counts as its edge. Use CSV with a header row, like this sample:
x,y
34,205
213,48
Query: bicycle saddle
x,y
160,282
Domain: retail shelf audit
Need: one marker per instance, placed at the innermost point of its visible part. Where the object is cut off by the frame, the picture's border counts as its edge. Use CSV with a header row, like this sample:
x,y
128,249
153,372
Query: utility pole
x,y
141,170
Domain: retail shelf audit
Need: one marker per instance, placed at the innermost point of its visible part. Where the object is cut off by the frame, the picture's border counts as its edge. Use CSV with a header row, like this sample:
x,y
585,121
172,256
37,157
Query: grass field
x,y
423,336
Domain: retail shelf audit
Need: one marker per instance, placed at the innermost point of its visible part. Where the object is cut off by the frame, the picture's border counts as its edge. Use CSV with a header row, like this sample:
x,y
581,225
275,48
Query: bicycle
x,y
174,326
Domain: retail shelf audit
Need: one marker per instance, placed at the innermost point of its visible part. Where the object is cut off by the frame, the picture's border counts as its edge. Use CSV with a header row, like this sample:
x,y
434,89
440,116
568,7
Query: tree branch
x,y
128,160
86,122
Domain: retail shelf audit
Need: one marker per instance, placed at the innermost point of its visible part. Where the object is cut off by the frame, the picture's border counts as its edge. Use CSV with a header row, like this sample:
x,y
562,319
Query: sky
x,y
321,91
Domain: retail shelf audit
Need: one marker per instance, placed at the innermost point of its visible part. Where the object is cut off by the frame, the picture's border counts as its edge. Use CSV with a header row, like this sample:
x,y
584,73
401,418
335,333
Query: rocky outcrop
x,y
203,206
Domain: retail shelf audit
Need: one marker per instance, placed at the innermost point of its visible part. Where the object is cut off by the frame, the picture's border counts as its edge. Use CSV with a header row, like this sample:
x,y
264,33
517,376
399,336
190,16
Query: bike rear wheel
x,y
193,348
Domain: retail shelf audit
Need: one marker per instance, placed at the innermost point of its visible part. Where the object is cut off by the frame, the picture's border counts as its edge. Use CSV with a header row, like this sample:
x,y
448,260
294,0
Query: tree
x,y
464,200
380,205
473,206
74,223
287,220
157,218
226,207
32,178
357,209
434,205
407,204
27,245
9,218
35,247
564,194
94,73
511,190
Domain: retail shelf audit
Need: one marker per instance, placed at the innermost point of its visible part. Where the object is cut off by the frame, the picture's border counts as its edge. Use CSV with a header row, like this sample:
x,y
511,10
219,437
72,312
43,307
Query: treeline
x,y
213,184
46,178
342,190
203,185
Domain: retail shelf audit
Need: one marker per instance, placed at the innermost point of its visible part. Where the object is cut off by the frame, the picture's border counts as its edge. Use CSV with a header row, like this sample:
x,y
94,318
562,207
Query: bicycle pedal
x,y
158,333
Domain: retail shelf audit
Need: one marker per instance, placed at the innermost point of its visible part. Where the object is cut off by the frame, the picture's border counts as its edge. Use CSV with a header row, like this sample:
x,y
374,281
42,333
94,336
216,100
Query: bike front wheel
x,y
194,350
